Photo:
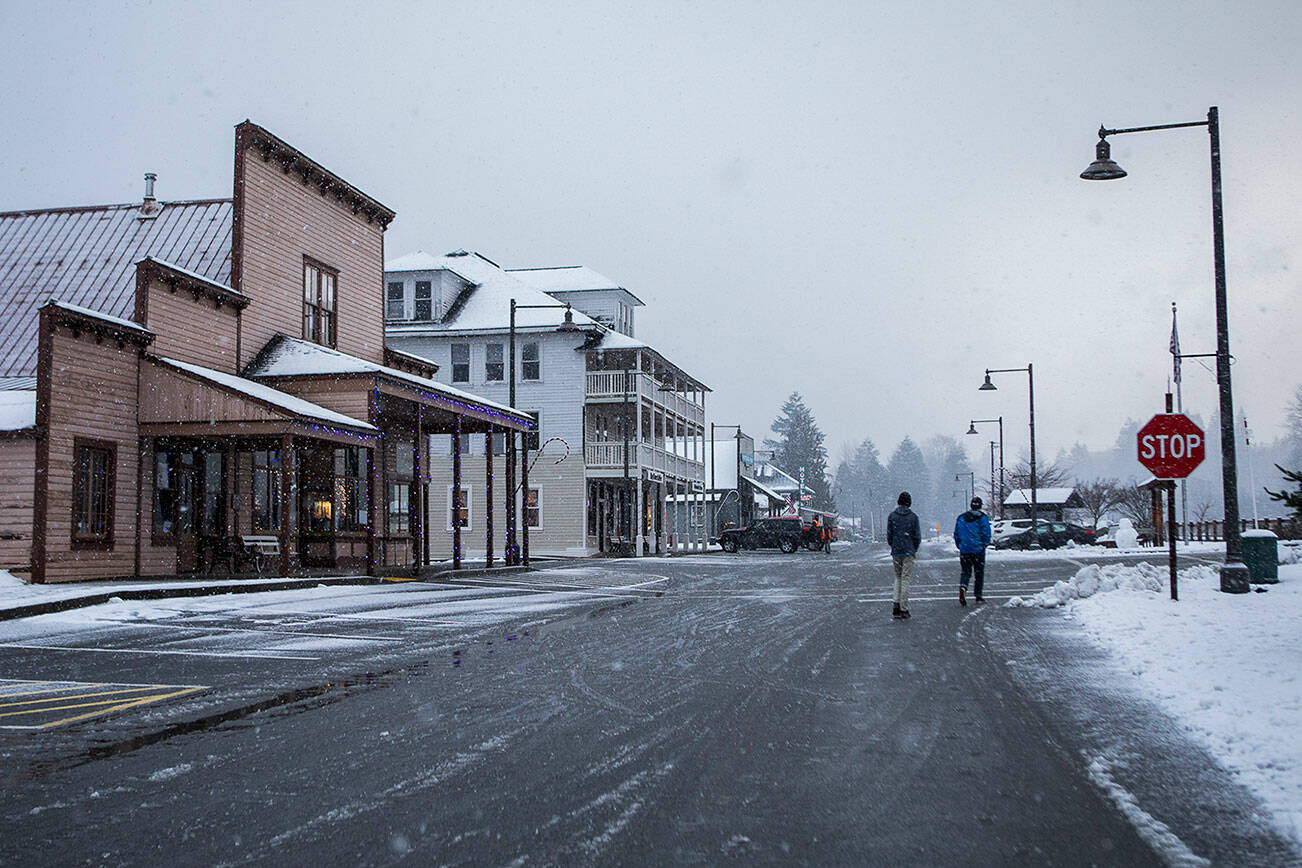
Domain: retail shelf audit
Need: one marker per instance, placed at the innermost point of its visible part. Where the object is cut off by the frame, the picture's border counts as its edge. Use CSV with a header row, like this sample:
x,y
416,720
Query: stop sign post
x,y
1171,446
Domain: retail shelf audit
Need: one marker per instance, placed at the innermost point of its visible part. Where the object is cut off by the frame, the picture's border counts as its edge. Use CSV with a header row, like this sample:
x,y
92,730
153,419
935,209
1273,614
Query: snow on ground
x,y
1226,666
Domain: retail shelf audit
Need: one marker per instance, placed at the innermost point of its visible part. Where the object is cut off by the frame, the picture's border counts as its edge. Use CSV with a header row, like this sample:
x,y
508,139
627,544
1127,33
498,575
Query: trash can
x,y
1261,556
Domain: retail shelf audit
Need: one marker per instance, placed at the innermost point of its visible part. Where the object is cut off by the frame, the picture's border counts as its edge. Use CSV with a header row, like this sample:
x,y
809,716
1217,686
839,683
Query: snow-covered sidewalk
x,y
1225,666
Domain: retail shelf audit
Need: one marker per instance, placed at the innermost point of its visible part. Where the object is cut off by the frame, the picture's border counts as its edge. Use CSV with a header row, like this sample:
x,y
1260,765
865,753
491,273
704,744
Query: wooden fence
x,y
1284,528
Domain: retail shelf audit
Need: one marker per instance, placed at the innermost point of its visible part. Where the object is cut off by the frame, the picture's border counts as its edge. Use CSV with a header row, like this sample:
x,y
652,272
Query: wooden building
x,y
179,377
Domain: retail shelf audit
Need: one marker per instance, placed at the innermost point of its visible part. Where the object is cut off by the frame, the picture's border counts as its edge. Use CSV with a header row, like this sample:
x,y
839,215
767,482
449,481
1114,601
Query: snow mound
x,y
1290,553
1099,579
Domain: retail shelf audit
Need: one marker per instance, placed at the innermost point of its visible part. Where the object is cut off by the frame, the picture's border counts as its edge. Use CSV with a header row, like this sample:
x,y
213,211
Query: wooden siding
x,y
284,220
167,395
191,330
17,484
350,397
93,394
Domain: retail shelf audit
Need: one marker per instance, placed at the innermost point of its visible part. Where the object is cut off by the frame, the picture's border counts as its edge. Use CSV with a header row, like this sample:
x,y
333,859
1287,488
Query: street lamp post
x,y
971,483
971,429
568,326
1234,573
988,386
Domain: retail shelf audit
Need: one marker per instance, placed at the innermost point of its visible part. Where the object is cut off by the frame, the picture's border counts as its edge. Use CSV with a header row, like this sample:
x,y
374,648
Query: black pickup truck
x,y
781,532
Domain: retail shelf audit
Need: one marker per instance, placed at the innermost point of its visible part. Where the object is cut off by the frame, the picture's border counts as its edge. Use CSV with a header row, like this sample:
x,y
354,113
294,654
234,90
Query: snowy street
x,y
760,706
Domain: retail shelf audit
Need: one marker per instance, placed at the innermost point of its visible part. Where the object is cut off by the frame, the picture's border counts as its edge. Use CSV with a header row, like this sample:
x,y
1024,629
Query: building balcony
x,y
607,459
608,387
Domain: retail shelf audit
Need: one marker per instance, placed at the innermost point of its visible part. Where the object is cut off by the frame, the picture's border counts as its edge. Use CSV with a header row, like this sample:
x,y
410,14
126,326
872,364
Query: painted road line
x,y
243,655
83,699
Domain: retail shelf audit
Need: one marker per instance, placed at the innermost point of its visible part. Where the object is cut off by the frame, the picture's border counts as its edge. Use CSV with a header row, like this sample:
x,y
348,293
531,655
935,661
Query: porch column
x,y
524,499
509,553
288,490
419,462
372,511
456,495
488,497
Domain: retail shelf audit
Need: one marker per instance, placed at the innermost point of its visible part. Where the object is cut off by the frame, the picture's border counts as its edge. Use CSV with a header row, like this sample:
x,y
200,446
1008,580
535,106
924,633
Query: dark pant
x,y
970,563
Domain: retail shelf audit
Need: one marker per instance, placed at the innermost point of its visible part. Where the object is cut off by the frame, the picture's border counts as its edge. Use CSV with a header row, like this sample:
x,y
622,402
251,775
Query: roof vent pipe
x,y
149,207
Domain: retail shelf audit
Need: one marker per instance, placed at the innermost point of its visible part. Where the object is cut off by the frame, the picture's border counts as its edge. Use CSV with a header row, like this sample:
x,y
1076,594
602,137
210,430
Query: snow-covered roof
x,y
570,278
294,357
17,410
1043,496
86,256
268,395
108,319
488,306
773,495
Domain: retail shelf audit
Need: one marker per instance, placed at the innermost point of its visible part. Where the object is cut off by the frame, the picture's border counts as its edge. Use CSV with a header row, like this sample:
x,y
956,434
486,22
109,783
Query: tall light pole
x,y
567,326
1234,573
988,386
971,429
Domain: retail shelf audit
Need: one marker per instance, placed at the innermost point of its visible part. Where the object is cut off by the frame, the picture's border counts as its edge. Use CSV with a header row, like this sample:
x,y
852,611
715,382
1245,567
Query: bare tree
x,y
1047,475
1201,510
1136,504
1099,496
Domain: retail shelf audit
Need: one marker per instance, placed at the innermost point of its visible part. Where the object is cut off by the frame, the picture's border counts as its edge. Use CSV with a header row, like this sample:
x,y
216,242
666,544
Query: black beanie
x,y
905,499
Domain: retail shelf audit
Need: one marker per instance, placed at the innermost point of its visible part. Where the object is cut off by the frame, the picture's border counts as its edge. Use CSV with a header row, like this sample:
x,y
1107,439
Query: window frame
x,y
271,486
491,367
536,362
103,540
325,317
400,301
536,509
416,300
467,506
455,365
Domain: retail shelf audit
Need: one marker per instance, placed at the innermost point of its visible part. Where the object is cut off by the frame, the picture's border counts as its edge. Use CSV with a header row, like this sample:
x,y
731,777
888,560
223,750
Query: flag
x,y
1175,346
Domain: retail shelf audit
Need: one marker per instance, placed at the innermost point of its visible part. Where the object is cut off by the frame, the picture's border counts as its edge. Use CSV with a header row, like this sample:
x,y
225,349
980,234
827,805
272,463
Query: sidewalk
x,y
18,599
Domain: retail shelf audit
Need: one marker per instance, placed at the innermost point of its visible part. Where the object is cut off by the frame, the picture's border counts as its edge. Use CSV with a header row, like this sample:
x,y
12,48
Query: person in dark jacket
x,y
971,536
904,534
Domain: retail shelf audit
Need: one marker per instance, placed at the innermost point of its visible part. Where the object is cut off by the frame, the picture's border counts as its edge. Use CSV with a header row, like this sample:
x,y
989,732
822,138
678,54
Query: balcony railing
x,y
610,384
641,456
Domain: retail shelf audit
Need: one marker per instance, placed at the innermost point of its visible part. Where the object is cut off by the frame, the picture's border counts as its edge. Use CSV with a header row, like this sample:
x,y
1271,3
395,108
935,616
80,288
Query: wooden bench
x,y
262,551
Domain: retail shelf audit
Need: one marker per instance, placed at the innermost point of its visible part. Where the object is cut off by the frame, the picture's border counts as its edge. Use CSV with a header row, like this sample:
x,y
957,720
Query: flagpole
x,y
1179,405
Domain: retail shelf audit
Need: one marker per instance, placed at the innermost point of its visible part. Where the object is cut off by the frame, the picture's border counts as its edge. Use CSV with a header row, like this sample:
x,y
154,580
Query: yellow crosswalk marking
x,y
54,699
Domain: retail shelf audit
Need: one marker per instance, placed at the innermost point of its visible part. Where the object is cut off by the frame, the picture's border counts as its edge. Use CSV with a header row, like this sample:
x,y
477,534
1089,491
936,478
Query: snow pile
x,y
1290,553
1098,579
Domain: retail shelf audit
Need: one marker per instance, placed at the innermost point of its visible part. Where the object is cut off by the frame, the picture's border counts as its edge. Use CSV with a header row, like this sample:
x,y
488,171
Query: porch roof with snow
x,y
286,358
86,256
1065,497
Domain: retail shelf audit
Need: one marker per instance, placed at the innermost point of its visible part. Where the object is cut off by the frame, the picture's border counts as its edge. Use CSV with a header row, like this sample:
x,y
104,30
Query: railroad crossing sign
x,y
1171,445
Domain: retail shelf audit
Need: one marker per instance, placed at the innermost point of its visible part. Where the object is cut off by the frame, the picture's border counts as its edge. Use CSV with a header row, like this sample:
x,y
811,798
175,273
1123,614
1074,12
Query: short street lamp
x,y
1234,573
971,429
988,386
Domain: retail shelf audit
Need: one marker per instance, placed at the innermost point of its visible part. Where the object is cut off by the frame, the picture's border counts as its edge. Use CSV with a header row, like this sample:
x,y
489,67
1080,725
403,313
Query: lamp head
x,y
568,325
1103,169
971,428
987,386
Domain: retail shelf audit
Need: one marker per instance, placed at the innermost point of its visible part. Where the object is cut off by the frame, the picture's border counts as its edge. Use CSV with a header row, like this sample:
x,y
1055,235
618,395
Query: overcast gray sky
x,y
868,203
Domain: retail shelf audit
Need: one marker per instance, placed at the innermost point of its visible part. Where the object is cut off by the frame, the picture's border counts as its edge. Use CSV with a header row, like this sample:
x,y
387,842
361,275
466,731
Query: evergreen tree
x,y
1291,499
860,482
800,444
949,487
907,471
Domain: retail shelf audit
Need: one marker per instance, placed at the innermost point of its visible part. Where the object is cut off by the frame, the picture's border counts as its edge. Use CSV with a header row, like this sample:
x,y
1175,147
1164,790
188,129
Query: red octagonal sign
x,y
1171,446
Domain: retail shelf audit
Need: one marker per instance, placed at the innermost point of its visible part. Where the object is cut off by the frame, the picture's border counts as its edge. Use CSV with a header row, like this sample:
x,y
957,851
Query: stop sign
x,y
1170,446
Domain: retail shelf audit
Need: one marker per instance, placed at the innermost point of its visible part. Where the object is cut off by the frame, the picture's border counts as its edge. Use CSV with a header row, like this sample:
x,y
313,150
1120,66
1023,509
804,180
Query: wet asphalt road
x,y
758,708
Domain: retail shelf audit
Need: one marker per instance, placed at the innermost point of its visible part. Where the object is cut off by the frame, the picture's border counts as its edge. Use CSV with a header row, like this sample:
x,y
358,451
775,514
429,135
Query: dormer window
x,y
395,301
319,302
424,304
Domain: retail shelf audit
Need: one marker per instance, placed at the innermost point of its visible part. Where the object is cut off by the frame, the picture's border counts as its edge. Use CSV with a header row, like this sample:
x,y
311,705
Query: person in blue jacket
x,y
972,535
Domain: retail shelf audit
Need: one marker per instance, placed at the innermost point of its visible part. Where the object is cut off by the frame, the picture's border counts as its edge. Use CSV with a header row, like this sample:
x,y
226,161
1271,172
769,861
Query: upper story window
x,y
530,366
395,301
494,369
423,308
319,303
92,494
461,363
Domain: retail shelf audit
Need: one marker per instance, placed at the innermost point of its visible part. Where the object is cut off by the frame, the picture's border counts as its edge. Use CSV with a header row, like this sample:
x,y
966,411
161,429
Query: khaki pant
x,y
903,572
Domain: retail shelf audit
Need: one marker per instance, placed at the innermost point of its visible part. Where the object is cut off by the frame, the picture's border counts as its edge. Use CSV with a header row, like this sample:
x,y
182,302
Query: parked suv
x,y
781,532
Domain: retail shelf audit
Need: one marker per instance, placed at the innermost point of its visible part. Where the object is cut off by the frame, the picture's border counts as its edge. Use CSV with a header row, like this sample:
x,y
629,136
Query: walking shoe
x,y
980,599
895,610
904,613
962,596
